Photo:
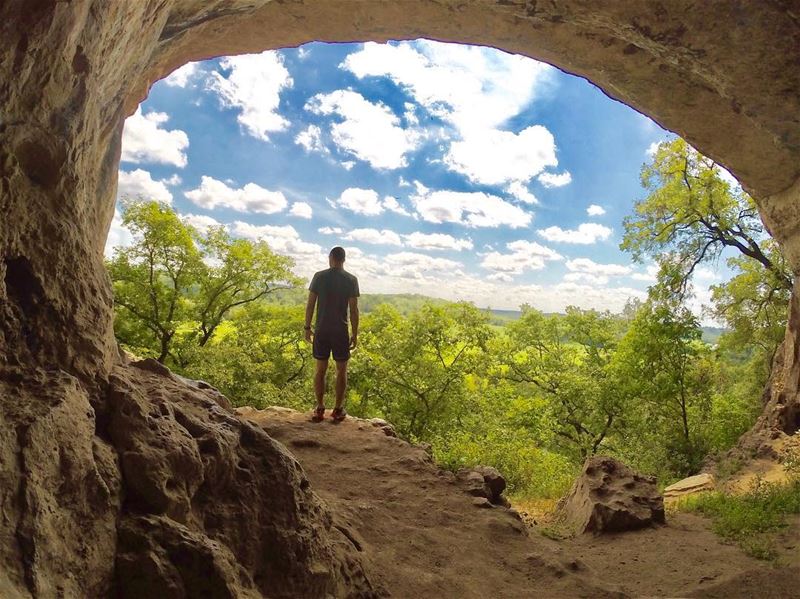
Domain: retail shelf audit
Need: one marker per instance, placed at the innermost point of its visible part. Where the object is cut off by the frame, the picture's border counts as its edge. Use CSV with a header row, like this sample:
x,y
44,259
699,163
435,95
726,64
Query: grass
x,y
750,519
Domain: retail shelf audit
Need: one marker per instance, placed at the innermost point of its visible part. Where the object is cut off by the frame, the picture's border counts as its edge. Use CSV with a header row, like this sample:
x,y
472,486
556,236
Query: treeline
x,y
532,397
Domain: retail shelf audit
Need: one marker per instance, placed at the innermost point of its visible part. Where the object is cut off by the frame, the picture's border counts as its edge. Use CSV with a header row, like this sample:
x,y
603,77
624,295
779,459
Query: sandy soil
x,y
422,536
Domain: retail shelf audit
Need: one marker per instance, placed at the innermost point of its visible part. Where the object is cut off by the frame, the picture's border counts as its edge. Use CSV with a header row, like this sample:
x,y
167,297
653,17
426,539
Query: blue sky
x,y
453,171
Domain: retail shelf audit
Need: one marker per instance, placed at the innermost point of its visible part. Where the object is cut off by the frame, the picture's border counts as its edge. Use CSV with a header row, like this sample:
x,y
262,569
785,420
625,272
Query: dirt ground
x,y
422,536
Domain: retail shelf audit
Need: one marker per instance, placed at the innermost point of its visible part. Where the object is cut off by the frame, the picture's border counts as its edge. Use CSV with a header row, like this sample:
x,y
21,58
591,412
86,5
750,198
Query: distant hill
x,y
405,303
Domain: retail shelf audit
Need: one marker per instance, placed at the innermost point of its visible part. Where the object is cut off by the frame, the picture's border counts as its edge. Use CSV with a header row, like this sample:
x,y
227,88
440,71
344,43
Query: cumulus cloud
x,y
473,209
595,210
374,236
519,191
585,234
649,276
392,205
301,210
330,230
144,140
590,267
476,91
651,150
413,265
523,255
180,77
310,139
250,198
555,180
282,239
368,131
467,86
118,236
495,157
201,222
253,85
139,184
436,241
360,201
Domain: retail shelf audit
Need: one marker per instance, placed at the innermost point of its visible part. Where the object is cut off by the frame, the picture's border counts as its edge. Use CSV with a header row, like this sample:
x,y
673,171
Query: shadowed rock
x,y
610,497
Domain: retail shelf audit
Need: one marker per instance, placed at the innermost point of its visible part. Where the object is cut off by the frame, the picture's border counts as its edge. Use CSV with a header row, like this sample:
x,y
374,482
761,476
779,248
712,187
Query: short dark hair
x,y
337,254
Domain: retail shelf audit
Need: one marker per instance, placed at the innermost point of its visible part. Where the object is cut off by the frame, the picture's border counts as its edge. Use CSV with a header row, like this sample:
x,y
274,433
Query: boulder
x,y
691,485
609,497
484,481
384,426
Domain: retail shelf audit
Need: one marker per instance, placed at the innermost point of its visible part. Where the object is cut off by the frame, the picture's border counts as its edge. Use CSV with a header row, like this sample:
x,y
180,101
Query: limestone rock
x,y
384,426
690,486
483,481
610,497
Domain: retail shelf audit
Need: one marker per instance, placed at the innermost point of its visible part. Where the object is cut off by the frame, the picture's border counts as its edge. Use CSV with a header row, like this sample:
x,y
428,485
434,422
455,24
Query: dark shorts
x,y
336,342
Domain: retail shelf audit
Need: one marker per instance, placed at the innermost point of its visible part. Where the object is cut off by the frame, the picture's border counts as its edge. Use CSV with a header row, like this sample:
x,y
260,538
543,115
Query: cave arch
x,y
724,74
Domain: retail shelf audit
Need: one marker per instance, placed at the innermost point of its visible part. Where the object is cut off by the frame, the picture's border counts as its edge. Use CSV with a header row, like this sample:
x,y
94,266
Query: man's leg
x,y
341,382
319,382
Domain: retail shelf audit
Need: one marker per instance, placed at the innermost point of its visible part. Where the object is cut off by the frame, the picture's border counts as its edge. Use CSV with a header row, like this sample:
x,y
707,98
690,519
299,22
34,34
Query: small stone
x,y
482,502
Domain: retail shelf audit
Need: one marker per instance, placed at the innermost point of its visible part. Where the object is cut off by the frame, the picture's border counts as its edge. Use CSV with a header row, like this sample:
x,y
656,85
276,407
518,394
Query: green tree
x,y
174,283
152,276
664,372
564,360
415,370
691,214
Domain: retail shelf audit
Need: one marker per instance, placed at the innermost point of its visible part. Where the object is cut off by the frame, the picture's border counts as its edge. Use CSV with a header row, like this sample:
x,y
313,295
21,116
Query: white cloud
x,y
254,85
369,131
500,277
703,273
143,140
392,205
473,209
586,233
595,210
652,149
282,239
173,180
360,201
348,164
180,77
310,139
139,183
330,230
118,236
524,255
495,157
468,86
590,267
373,236
519,191
201,222
301,209
585,277
250,198
413,265
436,241
475,90
649,276
555,180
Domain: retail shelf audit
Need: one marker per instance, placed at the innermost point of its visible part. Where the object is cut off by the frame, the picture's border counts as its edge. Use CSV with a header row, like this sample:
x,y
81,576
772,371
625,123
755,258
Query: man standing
x,y
332,291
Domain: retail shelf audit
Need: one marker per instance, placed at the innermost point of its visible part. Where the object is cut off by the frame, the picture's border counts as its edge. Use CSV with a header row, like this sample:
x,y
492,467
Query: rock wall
x,y
102,465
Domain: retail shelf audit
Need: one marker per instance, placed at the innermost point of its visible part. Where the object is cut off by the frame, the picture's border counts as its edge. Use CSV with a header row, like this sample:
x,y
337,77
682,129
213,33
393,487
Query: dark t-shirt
x,y
334,288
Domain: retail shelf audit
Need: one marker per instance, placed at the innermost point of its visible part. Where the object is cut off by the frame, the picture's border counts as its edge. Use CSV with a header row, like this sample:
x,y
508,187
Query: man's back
x,y
334,288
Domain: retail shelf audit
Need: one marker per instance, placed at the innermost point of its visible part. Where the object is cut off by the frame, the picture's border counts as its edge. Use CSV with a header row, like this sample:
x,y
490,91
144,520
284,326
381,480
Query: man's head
x,y
336,257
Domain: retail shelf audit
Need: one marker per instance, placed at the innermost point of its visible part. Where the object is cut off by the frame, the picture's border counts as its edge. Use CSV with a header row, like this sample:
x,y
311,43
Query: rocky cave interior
x,y
117,480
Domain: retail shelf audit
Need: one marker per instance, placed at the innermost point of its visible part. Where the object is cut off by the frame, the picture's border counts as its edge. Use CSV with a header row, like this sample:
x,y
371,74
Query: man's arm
x,y
310,305
354,321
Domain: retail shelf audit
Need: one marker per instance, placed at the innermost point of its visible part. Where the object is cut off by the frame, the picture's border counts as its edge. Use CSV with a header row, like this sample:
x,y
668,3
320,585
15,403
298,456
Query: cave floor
x,y
420,535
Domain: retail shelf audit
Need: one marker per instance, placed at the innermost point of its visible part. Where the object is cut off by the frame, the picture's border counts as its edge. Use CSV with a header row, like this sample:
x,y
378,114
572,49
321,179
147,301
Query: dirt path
x,y
422,536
